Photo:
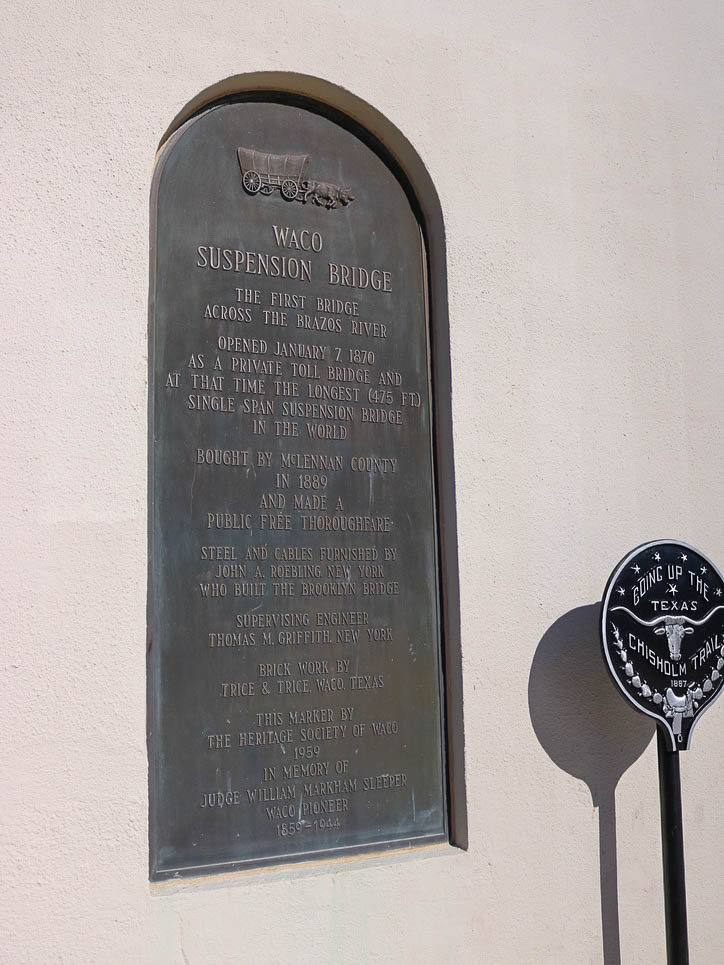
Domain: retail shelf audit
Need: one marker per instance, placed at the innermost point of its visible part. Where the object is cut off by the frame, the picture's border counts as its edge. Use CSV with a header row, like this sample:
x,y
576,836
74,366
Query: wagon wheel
x,y
290,189
252,182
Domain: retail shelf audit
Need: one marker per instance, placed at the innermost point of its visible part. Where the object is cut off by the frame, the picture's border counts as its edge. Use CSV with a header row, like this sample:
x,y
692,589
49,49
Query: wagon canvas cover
x,y
266,165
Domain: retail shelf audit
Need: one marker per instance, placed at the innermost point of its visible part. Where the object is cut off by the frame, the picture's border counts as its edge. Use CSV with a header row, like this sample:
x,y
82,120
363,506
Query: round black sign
x,y
662,629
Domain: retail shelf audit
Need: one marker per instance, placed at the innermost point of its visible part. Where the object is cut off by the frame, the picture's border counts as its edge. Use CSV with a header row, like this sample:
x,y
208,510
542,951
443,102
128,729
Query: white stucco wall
x,y
575,151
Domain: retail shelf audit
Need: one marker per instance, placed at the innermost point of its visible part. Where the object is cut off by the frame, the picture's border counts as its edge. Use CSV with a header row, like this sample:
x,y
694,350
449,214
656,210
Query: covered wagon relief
x,y
263,173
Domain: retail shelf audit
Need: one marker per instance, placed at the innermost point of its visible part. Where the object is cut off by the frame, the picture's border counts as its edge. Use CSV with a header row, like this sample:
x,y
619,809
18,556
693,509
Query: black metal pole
x,y
672,846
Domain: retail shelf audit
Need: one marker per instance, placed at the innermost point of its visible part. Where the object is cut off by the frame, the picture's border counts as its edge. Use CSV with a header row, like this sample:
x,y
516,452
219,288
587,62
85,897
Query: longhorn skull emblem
x,y
675,628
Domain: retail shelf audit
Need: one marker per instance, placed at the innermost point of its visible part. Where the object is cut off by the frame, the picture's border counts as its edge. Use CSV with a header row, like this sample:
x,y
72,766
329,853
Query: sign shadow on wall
x,y
588,730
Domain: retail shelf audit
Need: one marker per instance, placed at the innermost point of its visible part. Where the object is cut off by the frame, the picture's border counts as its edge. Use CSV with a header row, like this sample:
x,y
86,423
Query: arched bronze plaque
x,y
295,674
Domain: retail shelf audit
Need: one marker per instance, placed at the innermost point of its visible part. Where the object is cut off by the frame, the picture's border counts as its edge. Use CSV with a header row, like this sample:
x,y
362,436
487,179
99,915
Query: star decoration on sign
x,y
673,590
636,569
683,557
621,591
702,569
718,592
657,557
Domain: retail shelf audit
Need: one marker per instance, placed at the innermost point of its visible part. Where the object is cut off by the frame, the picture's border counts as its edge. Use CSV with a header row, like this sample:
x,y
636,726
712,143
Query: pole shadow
x,y
588,730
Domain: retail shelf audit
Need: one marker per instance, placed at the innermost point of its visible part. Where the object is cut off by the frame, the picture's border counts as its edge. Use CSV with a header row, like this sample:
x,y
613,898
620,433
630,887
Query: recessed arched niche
x,y
303,658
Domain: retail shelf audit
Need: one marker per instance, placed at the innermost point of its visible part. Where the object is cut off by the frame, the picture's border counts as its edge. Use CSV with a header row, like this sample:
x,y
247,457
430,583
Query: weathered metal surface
x,y
294,626
662,627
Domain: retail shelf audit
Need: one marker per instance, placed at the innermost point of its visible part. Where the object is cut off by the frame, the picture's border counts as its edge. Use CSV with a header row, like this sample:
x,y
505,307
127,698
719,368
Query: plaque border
x,y
394,150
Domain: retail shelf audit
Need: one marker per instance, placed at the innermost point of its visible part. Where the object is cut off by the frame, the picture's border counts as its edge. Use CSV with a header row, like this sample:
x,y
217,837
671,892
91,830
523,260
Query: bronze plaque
x,y
295,705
